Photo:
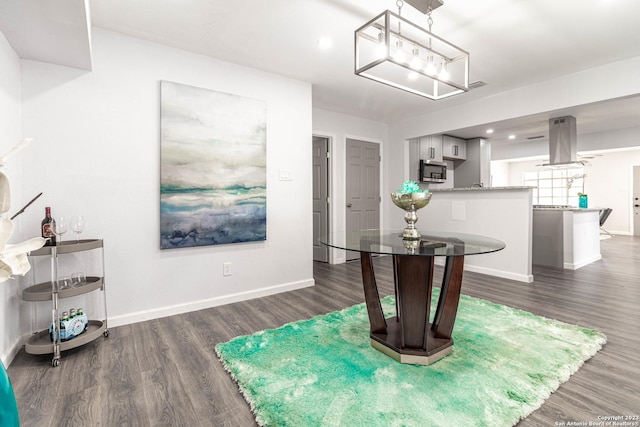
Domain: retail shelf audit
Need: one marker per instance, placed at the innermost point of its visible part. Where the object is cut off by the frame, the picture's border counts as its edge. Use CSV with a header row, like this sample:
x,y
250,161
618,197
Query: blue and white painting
x,y
213,167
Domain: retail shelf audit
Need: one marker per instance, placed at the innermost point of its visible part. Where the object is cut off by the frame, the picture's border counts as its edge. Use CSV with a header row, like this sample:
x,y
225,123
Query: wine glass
x,y
60,227
64,282
77,226
78,279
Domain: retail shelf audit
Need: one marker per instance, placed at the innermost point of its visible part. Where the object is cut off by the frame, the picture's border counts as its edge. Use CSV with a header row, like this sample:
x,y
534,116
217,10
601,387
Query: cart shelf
x,y
42,291
40,343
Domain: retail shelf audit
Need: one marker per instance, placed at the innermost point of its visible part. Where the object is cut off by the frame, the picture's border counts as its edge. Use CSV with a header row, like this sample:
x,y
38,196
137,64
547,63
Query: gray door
x,y
636,200
320,196
363,187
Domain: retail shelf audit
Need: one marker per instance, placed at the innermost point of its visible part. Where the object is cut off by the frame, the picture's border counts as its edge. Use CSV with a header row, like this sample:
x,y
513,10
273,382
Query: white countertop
x,y
442,190
573,209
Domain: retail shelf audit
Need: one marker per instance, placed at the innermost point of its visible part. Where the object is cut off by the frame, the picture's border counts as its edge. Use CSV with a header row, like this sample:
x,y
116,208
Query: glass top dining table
x,y
412,336
432,243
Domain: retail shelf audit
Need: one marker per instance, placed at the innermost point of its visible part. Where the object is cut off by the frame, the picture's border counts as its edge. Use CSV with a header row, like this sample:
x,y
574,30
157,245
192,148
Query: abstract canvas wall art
x,y
212,167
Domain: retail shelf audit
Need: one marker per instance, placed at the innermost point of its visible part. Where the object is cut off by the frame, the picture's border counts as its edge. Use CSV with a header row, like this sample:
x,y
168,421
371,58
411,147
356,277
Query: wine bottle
x,y
62,328
46,227
64,335
83,317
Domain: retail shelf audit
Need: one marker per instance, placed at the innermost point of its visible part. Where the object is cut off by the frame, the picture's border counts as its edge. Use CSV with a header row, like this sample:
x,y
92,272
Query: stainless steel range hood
x,y
563,143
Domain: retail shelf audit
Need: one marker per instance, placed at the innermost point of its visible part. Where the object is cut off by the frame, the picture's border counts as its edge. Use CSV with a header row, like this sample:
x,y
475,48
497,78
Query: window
x,y
555,186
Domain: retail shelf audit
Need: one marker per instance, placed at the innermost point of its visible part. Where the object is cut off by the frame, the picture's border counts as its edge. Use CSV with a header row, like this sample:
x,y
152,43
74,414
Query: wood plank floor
x,y
164,372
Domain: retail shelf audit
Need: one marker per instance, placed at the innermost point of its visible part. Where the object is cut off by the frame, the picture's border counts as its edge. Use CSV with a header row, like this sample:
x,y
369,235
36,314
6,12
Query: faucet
x,y
477,184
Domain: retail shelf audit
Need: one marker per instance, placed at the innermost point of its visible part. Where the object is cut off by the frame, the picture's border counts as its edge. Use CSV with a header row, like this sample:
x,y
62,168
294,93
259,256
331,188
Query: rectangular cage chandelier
x,y
392,50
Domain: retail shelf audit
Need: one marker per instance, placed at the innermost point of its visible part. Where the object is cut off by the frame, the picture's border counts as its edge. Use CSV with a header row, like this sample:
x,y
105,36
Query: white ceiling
x,y
512,43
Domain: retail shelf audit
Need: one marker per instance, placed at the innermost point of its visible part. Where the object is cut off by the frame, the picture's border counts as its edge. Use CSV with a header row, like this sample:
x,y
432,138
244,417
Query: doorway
x,y
362,187
635,203
320,196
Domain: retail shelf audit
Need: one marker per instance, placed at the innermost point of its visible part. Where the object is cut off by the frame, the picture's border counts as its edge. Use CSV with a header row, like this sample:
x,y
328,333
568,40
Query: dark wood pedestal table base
x,y
410,337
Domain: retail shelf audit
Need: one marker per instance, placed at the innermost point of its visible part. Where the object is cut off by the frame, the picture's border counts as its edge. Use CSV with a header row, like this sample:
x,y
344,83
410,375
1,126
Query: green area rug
x,y
323,371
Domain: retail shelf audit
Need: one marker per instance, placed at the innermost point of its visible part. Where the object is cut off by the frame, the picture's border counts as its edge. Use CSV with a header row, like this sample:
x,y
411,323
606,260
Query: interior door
x,y
320,196
362,187
636,200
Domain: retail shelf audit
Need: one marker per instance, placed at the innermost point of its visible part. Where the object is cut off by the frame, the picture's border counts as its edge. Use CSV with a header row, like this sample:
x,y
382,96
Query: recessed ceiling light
x,y
324,43
512,137
489,130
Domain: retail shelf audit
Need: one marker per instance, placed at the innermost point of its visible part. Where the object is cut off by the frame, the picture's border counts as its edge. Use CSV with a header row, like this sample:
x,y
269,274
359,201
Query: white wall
x,y
608,183
97,155
339,127
500,174
9,136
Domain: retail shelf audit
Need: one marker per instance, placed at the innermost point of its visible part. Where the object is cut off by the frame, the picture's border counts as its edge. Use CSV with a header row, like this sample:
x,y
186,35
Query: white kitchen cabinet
x,y
454,148
431,147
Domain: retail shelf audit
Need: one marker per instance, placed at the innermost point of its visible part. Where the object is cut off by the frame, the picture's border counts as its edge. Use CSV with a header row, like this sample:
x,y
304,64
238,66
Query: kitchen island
x,y
565,237
504,213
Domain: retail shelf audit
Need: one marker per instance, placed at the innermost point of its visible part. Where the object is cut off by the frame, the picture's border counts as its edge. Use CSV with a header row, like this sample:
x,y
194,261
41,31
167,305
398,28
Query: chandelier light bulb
x,y
399,54
443,74
380,51
416,62
430,69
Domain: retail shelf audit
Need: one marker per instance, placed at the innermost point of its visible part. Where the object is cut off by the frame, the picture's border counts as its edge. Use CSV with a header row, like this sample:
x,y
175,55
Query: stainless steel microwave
x,y
433,171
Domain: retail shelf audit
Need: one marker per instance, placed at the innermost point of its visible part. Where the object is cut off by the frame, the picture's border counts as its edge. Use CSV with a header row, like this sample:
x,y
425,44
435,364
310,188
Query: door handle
x,y
349,205
636,206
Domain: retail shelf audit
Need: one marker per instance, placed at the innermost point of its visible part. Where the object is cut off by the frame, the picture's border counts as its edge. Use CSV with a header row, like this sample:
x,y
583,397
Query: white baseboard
x,y
619,233
157,313
526,278
571,266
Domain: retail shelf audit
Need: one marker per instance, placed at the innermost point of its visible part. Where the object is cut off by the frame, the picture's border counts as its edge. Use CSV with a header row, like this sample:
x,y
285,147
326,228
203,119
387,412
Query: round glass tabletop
x,y
432,243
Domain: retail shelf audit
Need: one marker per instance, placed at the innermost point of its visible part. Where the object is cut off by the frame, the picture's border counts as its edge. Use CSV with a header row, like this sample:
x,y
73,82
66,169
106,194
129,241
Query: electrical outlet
x,y
285,175
226,269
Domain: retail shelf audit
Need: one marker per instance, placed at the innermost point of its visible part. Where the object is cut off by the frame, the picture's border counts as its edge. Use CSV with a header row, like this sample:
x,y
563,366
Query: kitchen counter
x,y
447,190
503,213
568,208
566,237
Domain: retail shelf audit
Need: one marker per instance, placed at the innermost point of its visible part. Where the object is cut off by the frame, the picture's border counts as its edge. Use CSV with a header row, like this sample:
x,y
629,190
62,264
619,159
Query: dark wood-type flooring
x,y
165,372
